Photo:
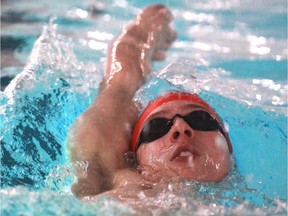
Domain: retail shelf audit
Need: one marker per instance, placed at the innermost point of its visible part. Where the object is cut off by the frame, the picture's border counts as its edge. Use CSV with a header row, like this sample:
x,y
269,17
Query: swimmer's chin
x,y
175,171
190,174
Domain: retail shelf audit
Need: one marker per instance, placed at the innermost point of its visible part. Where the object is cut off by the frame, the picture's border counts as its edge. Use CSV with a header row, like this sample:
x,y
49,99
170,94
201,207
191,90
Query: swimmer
x,y
178,136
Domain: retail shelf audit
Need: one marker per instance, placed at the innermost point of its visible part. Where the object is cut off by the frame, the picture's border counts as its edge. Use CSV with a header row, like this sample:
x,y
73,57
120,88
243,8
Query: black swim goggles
x,y
197,120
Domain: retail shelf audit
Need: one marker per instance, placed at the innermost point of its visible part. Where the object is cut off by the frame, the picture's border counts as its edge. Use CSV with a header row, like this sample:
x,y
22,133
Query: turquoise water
x,y
54,54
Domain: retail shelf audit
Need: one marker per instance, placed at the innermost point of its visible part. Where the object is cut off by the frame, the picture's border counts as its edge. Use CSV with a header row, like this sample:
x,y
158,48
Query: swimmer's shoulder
x,y
127,176
127,184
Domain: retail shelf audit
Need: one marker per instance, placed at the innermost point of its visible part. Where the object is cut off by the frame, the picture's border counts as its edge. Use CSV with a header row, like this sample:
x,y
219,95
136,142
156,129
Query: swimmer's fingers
x,y
164,44
155,16
151,32
159,55
157,11
163,17
160,52
170,37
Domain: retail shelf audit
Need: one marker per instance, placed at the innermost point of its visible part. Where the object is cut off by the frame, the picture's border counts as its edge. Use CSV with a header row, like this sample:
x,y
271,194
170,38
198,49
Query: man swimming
x,y
178,136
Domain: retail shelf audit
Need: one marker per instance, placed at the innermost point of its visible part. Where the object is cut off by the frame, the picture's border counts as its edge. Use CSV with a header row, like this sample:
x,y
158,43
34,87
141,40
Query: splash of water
x,y
38,107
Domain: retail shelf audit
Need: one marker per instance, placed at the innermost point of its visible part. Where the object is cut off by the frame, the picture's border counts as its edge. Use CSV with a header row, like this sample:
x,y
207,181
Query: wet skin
x,y
101,136
183,152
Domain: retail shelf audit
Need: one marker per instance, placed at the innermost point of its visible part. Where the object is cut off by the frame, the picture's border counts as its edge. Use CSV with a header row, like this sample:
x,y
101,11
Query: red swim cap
x,y
174,96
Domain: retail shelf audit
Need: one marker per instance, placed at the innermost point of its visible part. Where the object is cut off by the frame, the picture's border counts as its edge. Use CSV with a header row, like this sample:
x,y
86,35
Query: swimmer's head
x,y
181,133
175,96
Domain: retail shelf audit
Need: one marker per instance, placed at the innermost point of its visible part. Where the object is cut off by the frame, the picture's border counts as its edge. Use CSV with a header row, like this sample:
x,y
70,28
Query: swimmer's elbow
x,y
96,179
84,188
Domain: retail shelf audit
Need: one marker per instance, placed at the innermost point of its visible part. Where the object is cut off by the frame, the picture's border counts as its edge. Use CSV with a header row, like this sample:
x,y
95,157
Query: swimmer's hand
x,y
144,40
154,27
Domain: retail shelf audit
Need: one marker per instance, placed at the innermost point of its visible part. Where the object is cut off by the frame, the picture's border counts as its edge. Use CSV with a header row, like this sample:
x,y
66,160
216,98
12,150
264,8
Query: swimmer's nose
x,y
180,130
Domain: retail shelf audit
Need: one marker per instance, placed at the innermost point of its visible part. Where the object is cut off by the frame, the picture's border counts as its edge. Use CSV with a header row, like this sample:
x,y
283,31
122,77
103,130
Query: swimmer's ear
x,y
131,159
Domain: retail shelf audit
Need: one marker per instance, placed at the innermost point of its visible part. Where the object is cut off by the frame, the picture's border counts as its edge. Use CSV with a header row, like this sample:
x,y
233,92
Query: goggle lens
x,y
197,120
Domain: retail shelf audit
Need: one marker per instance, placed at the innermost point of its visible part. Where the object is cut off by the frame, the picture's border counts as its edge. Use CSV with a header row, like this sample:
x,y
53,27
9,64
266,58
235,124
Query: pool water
x,y
51,67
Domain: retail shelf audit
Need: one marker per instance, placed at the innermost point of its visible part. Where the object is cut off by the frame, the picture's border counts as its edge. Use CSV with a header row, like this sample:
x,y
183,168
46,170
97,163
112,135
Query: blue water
x,y
54,53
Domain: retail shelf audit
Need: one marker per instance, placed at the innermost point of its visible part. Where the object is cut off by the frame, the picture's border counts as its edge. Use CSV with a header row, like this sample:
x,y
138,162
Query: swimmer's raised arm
x,y
101,135
129,58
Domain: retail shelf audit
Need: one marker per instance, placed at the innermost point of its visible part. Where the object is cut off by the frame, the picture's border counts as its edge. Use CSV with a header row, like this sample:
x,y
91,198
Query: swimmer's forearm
x,y
129,62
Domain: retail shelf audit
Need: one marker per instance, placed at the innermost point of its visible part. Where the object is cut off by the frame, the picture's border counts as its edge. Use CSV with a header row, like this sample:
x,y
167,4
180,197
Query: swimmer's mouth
x,y
183,154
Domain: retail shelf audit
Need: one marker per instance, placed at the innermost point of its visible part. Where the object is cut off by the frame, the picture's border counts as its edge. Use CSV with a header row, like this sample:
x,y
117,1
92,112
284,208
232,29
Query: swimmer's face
x,y
183,152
